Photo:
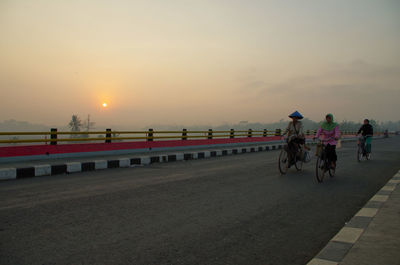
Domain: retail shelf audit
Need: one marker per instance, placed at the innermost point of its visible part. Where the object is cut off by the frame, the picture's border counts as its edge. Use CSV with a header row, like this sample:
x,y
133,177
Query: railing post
x,y
150,135
210,134
108,136
184,134
250,133
278,132
232,134
265,133
53,136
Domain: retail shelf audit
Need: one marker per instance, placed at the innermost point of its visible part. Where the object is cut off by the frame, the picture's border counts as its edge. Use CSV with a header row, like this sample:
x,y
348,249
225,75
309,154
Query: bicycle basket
x,y
318,149
306,157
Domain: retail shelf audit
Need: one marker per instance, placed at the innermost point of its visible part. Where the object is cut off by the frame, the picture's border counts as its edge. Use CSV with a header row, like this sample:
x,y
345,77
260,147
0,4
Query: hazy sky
x,y
198,61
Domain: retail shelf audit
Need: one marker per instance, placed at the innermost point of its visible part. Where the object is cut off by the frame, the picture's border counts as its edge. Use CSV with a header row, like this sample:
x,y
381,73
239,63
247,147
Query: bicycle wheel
x,y
283,163
359,153
298,163
320,169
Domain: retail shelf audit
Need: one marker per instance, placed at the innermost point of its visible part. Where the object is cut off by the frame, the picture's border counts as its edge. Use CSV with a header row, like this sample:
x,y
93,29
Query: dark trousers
x,y
331,152
293,147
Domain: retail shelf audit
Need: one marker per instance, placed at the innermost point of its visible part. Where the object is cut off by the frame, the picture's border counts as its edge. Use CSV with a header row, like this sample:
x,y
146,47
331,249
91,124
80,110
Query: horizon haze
x,y
198,62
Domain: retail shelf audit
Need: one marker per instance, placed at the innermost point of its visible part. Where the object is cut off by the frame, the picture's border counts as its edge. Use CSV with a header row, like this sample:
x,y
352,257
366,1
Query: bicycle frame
x,y
285,163
362,146
323,155
362,140
321,142
326,163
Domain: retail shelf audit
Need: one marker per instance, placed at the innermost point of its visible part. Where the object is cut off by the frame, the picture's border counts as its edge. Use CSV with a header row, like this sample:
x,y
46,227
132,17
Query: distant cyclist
x,y
295,134
367,131
330,132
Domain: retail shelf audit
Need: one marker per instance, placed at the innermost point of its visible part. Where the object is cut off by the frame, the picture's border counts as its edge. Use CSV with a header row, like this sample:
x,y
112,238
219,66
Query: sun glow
x,y
105,105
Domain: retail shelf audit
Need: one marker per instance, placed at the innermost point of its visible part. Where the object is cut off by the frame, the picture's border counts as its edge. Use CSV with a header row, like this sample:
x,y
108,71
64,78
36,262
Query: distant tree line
x,y
307,123
76,124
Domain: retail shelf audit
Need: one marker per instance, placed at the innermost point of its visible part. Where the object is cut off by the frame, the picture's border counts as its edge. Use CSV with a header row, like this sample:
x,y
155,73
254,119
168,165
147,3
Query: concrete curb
x,y
75,167
339,246
8,173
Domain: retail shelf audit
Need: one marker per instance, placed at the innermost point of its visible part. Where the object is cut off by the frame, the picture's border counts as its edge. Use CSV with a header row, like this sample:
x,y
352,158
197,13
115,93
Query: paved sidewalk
x,y
380,243
372,236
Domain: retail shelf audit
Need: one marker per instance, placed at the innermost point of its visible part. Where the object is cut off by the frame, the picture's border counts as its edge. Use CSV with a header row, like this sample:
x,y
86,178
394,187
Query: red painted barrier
x,y
31,150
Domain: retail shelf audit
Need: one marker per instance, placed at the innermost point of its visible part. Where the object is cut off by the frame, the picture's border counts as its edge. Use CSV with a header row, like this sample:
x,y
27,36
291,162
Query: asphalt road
x,y
226,210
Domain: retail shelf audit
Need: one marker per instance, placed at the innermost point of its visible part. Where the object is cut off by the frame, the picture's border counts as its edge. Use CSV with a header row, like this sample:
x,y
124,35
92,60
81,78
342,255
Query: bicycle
x,y
362,148
323,163
284,163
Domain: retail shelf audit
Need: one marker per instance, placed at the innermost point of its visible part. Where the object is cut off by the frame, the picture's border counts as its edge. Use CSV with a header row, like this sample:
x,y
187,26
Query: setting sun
x,y
104,105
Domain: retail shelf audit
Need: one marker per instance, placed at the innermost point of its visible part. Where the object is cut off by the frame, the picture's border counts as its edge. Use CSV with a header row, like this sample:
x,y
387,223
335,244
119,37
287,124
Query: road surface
x,y
224,210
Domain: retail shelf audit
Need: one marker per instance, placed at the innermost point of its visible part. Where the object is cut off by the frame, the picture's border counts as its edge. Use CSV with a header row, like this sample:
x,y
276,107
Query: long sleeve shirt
x,y
366,129
331,135
294,131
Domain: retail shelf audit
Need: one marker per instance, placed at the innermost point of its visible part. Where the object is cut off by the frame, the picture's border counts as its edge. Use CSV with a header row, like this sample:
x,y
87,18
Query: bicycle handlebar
x,y
364,137
326,140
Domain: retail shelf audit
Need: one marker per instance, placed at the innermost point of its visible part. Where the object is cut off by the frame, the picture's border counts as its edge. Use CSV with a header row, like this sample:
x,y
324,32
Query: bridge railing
x,y
54,136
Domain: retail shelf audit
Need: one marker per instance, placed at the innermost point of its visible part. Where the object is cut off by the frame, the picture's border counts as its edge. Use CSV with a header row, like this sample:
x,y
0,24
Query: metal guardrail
x,y
149,135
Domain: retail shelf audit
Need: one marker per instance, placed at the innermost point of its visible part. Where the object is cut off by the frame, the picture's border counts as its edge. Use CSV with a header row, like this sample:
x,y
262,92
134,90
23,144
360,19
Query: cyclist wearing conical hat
x,y
295,135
